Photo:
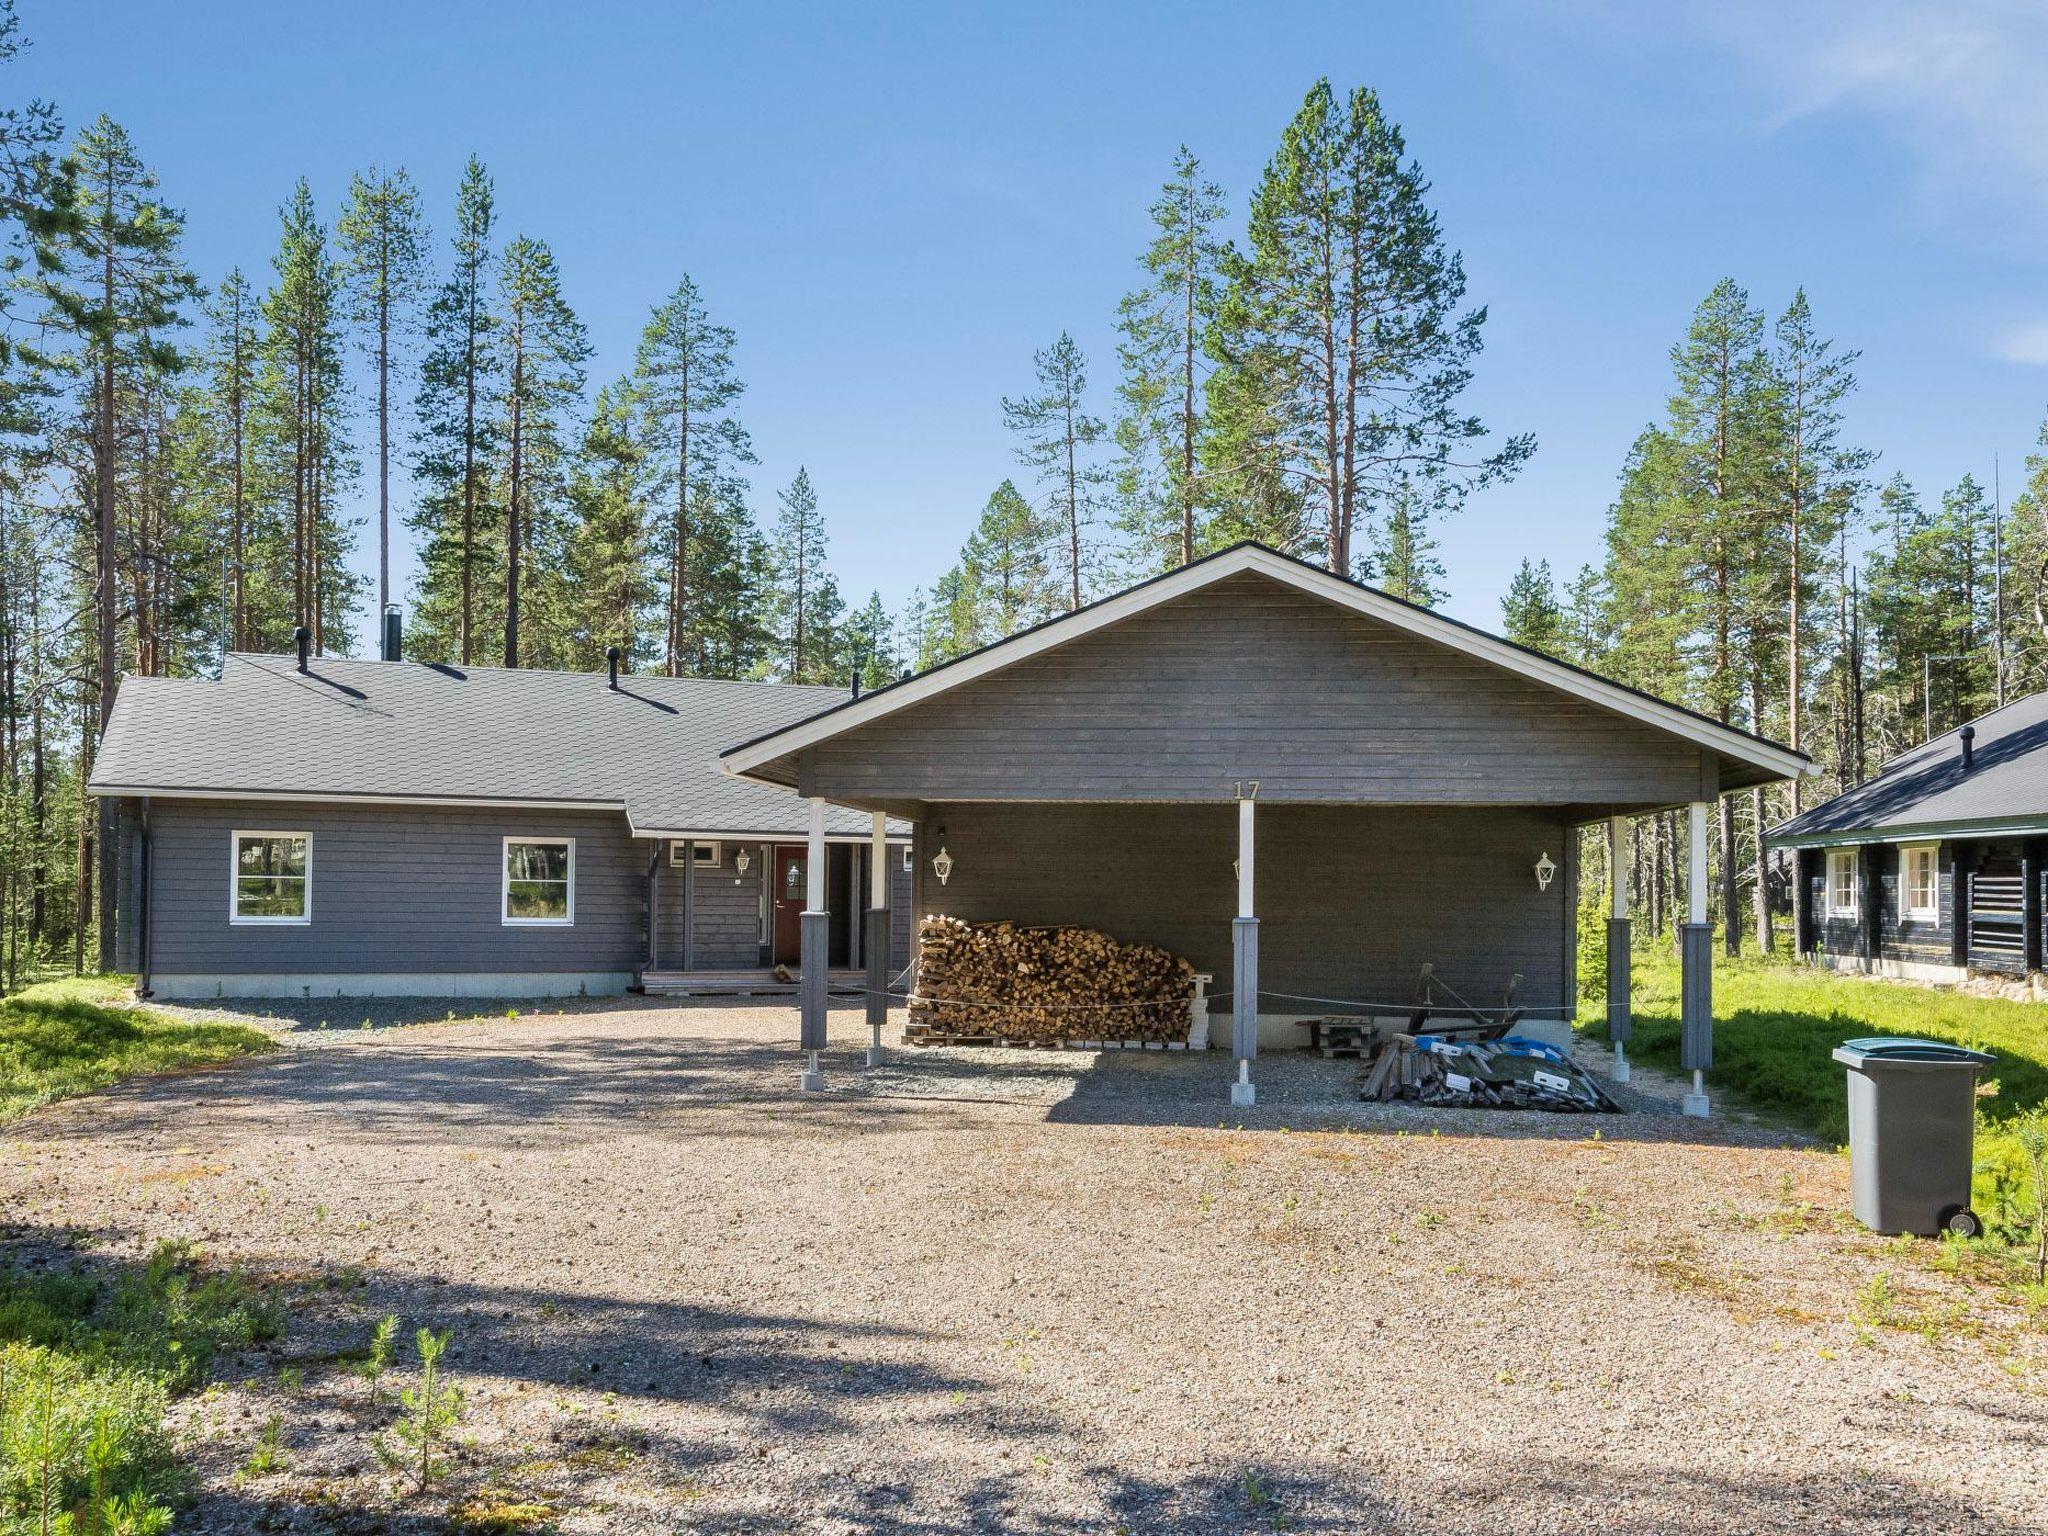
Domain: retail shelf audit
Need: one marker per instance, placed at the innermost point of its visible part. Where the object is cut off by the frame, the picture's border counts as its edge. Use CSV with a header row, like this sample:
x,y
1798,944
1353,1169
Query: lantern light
x,y
740,861
1545,872
942,864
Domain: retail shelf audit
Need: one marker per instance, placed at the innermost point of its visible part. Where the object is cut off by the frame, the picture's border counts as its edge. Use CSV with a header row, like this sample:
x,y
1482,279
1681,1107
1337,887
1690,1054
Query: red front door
x,y
790,889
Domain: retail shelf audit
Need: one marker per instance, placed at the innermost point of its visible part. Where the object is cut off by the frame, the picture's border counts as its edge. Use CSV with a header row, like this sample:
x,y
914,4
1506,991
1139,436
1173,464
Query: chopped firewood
x,y
1047,984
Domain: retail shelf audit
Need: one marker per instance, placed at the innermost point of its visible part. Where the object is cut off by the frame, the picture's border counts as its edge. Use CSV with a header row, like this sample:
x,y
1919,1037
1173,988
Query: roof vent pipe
x,y
1969,740
393,633
611,667
302,637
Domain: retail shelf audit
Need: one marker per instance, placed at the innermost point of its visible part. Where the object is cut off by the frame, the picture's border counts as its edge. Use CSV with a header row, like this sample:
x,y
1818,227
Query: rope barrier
x,y
1215,997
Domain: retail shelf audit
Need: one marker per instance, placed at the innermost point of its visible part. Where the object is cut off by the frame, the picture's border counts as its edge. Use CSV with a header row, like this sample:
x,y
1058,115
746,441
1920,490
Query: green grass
x,y
1776,1023
90,1356
63,1038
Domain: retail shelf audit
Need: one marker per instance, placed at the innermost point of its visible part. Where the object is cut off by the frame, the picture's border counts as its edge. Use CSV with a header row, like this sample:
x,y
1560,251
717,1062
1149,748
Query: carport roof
x,y
769,756
422,732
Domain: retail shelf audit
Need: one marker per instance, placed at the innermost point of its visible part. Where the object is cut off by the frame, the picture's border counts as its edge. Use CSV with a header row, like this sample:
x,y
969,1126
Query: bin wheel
x,y
1961,1221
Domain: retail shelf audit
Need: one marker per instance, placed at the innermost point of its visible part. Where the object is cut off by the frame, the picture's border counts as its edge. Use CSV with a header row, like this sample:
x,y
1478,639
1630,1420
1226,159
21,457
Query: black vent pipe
x,y
1968,736
302,638
394,631
611,667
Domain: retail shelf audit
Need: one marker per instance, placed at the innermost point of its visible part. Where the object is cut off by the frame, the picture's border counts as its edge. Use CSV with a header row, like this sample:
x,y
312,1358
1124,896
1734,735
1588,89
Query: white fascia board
x,y
862,839
1721,739
308,797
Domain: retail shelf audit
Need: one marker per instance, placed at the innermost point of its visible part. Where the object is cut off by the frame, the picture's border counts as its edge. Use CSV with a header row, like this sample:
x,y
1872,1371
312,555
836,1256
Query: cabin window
x,y
1842,882
540,880
1922,882
273,878
709,855
908,863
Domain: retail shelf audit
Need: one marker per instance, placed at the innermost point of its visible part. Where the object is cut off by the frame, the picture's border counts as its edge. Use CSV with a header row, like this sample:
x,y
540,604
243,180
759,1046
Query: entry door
x,y
791,884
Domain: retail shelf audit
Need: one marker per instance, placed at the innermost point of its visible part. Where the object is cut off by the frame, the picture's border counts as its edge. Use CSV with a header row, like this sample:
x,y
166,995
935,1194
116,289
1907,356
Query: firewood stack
x,y
1003,981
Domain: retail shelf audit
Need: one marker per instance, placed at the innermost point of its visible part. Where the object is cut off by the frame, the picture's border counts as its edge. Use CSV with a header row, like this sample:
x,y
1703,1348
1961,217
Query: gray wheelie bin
x,y
1911,1104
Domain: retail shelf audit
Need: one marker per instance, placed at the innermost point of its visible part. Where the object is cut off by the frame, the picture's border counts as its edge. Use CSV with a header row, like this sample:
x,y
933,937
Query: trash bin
x,y
1911,1105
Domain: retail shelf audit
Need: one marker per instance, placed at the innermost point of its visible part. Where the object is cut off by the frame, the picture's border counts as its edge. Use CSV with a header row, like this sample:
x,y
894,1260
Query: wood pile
x,y
1002,981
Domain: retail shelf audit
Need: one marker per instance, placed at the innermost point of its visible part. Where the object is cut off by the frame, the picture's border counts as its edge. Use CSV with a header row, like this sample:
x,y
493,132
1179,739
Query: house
x,y
306,826
1306,786
1933,869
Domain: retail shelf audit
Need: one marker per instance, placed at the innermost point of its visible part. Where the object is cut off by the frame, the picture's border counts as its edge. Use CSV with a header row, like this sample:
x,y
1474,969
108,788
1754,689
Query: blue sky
x,y
894,205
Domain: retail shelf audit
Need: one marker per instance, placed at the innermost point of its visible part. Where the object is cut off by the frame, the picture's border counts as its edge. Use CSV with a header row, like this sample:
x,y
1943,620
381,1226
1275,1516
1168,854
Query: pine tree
x,y
225,405
303,395
457,518
871,641
1530,613
809,601
1348,285
1004,567
383,238
545,348
1165,326
685,379
609,588
1059,437
1403,555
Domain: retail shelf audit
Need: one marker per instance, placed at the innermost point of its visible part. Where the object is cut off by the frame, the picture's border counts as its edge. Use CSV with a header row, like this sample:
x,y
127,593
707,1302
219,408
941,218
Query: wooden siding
x,y
1351,900
729,915
1250,679
394,890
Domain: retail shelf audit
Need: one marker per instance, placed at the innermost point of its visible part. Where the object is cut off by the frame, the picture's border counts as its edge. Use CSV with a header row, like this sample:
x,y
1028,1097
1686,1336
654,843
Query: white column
x,y
878,932
1244,934
1696,981
814,957
1618,1024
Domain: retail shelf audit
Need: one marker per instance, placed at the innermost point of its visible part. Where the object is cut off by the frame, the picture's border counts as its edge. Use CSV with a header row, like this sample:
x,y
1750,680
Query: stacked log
x,y
1005,981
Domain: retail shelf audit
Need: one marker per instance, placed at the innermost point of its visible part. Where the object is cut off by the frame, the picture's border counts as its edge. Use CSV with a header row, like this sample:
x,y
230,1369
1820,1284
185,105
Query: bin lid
x,y
1886,1050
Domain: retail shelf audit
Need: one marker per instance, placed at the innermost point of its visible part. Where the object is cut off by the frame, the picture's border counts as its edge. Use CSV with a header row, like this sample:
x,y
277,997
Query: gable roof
x,y
421,732
1925,791
1767,760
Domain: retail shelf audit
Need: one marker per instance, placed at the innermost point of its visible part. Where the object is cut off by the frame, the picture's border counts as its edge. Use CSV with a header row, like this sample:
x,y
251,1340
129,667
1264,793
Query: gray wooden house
x,y
1936,868
1309,788
309,826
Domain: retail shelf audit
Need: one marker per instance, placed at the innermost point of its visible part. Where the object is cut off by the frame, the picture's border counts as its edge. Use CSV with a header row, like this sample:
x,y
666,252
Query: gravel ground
x,y
1013,1291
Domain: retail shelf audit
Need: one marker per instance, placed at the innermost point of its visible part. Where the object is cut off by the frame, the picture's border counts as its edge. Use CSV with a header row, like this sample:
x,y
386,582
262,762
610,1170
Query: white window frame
x,y
235,917
677,860
1837,858
505,916
1931,912
909,863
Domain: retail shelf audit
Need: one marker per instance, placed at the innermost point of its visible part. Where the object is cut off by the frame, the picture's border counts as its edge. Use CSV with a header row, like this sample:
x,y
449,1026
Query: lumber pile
x,y
1453,1069
1002,981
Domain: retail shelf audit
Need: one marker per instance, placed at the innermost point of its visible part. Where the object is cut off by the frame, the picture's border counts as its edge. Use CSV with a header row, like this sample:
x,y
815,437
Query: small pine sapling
x,y
377,1359
2032,1132
431,1409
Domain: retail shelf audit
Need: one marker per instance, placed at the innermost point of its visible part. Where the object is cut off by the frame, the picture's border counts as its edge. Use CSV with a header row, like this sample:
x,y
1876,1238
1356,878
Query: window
x,y
709,855
1842,882
1922,881
540,880
908,863
273,878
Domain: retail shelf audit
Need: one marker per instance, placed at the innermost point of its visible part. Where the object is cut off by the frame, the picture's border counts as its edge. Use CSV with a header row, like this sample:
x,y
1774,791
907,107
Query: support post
x,y
1620,1022
1244,952
689,906
814,953
1696,971
878,936
654,907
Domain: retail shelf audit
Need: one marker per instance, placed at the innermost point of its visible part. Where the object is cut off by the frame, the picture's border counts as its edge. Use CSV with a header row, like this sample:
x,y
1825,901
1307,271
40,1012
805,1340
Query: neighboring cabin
x,y
388,827
1934,870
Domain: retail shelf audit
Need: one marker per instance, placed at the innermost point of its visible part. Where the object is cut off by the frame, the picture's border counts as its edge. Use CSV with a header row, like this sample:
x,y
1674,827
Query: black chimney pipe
x,y
611,666
1968,736
302,637
394,630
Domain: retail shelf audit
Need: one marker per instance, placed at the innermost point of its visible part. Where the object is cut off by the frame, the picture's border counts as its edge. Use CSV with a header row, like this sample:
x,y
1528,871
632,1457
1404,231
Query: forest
x,y
182,455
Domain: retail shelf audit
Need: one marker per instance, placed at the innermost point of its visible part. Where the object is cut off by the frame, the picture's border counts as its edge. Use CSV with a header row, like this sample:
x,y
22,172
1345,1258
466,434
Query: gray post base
x,y
1696,1011
1244,1004
814,932
1620,1018
878,980
1695,1103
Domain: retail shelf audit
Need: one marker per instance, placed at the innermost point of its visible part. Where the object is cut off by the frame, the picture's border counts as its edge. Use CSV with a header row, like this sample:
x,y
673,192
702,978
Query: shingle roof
x,y
1926,788
425,731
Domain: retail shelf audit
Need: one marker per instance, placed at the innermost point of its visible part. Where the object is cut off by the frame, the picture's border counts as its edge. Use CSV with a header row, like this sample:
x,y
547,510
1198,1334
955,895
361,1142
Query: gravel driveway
x,y
1006,1291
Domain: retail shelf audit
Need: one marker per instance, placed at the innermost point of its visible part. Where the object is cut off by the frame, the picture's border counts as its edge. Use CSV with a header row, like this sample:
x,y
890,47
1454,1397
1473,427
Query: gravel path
x,y
1022,1292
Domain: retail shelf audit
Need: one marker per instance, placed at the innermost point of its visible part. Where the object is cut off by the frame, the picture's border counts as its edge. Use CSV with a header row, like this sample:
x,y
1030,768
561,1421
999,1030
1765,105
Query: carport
x,y
1302,784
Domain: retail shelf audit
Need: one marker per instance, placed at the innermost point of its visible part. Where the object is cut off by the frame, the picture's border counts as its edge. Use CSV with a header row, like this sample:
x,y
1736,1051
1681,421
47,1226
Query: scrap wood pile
x,y
1004,982
1466,1070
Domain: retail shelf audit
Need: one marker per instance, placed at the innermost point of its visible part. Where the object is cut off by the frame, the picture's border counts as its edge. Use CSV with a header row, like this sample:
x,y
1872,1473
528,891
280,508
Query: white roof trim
x,y
305,797
1725,740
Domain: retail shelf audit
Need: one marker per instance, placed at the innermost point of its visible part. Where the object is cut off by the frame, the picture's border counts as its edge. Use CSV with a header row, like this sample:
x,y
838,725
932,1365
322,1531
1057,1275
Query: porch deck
x,y
755,982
